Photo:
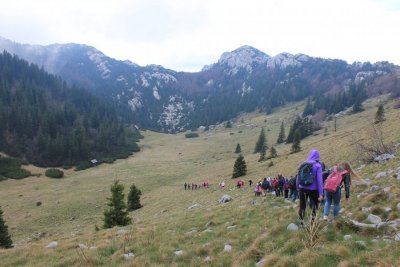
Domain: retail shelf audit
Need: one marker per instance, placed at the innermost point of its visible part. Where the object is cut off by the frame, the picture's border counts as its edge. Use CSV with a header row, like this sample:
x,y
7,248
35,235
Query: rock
x,y
397,237
375,188
194,206
52,244
208,258
380,175
361,167
129,256
387,209
179,252
386,189
122,231
366,209
292,227
361,243
192,232
261,261
227,248
347,237
231,227
398,206
374,219
392,195
383,157
368,181
225,199
207,231
82,246
341,210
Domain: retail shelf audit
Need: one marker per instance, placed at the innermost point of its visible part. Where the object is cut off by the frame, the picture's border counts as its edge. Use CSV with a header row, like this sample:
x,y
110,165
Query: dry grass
x,y
72,206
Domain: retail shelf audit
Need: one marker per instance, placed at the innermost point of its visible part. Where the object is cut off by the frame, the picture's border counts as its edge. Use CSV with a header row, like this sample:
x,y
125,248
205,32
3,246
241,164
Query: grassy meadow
x,y
254,227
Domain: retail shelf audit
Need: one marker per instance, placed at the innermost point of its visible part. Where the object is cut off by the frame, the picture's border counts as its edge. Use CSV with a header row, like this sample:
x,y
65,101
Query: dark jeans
x,y
294,194
312,195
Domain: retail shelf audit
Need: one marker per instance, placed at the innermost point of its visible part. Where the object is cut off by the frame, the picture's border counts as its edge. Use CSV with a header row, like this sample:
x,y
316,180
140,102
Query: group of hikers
x,y
313,184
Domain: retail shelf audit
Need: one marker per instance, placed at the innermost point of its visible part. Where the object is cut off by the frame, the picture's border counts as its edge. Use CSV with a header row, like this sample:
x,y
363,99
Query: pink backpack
x,y
334,180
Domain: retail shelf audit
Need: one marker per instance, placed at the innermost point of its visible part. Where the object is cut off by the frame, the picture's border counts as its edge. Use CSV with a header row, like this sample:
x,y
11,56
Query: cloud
x,y
186,35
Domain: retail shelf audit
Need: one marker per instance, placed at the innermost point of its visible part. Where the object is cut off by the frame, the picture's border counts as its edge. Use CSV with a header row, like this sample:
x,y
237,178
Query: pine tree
x,y
262,154
281,136
240,168
380,114
357,106
296,141
228,124
238,149
273,153
5,238
134,198
116,214
261,142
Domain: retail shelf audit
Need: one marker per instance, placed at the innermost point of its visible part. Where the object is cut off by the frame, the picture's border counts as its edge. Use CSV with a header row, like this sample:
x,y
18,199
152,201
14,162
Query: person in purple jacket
x,y
314,191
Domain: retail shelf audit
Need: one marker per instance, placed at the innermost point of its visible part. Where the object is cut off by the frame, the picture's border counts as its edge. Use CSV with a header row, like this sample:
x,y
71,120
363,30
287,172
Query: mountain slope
x,y
242,80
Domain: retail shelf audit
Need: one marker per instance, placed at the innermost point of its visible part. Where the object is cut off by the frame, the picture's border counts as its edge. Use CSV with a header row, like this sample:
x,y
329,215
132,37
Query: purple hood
x,y
313,157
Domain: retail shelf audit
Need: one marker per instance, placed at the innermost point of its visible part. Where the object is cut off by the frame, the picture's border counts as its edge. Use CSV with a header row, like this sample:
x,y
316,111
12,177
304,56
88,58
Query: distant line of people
x,y
194,186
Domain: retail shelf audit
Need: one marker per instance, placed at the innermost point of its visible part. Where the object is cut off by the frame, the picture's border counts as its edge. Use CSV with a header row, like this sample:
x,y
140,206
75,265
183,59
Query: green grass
x,y
72,206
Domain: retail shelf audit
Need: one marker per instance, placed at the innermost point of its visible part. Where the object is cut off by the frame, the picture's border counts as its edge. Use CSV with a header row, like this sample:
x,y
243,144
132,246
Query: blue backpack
x,y
305,173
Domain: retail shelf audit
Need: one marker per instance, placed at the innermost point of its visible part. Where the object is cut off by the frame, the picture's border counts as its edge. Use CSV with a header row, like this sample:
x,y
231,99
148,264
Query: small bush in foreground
x,y
54,173
191,135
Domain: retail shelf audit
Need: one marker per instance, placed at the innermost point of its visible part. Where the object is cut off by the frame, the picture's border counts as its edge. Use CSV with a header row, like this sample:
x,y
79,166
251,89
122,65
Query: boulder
x,y
292,227
347,237
225,199
179,252
374,219
386,189
387,209
375,188
227,248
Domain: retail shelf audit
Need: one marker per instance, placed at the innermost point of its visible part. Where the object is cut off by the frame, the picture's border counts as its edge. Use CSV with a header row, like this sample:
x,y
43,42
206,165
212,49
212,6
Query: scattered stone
x,y
227,248
207,231
225,199
386,189
398,206
361,243
347,237
38,235
179,252
192,232
380,175
383,157
361,167
375,188
368,181
231,227
397,237
341,210
261,261
194,206
82,246
374,219
129,256
387,209
292,227
392,195
122,231
52,244
366,225
366,209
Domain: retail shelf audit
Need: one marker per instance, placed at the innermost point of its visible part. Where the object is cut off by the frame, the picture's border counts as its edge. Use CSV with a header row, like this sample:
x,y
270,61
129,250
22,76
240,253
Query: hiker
x,y
185,185
281,184
286,188
294,194
265,186
309,183
333,188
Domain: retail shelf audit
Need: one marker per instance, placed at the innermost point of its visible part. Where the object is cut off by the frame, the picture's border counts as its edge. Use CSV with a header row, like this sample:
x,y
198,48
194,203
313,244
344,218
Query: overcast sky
x,y
185,35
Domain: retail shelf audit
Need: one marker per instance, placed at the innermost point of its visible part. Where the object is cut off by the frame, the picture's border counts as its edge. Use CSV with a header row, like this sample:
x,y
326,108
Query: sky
x,y
185,35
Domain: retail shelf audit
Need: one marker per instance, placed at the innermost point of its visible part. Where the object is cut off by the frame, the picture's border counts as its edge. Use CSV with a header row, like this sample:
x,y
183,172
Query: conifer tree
x,y
273,153
357,106
262,142
380,114
134,198
238,149
281,136
116,214
228,124
5,238
296,141
240,168
262,154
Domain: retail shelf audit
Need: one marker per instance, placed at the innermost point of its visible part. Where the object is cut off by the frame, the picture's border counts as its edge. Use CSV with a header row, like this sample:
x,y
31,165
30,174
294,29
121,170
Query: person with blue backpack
x,y
310,184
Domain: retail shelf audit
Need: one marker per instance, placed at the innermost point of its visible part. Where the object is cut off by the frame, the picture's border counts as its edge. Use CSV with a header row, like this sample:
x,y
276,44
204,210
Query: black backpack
x,y
305,173
292,183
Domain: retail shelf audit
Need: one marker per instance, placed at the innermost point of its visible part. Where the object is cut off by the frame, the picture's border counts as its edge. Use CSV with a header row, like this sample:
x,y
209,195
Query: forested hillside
x,y
47,123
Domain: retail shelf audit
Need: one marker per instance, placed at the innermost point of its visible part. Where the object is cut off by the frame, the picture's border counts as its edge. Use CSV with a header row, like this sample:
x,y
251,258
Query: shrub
x,y
11,168
54,173
191,135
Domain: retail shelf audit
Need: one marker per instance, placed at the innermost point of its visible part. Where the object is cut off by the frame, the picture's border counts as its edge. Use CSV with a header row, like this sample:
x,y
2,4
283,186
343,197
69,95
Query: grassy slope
x,y
74,205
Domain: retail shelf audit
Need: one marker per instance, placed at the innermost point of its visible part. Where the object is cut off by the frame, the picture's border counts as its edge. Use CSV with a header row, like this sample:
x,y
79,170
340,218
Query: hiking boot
x,y
325,218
